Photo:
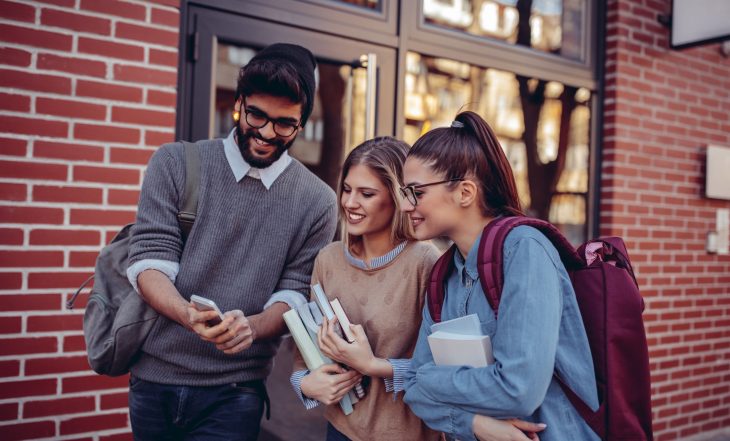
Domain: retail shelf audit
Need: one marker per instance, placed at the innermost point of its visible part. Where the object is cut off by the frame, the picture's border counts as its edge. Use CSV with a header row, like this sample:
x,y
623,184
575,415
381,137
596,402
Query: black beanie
x,y
303,62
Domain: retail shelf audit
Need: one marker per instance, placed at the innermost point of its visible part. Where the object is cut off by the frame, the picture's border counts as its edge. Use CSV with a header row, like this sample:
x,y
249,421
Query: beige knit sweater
x,y
388,303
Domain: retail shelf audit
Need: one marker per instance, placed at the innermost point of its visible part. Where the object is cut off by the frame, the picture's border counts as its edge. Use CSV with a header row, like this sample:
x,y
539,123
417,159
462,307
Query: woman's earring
x,y
236,116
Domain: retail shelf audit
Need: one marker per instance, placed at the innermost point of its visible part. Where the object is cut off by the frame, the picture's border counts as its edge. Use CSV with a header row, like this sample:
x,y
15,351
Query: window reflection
x,y
543,127
548,25
369,4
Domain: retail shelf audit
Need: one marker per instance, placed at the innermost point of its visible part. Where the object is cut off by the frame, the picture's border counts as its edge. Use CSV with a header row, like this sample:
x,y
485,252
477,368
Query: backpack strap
x,y
490,258
436,293
186,216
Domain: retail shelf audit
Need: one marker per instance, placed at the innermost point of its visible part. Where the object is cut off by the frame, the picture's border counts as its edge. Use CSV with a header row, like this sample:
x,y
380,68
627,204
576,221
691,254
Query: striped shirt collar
x,y
376,262
241,168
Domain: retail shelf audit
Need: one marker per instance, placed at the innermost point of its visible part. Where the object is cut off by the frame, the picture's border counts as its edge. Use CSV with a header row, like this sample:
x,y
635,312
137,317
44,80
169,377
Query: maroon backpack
x,y
611,307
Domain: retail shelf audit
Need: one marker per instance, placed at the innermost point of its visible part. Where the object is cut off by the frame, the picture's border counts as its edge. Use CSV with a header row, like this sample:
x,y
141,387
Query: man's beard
x,y
244,140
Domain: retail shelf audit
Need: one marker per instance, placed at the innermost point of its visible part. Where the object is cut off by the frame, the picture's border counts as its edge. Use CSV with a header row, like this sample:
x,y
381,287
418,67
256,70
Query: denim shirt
x,y
539,331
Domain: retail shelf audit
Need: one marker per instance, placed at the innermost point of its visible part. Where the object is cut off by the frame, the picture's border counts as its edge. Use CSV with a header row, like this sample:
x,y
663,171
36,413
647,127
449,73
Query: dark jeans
x,y
334,434
167,412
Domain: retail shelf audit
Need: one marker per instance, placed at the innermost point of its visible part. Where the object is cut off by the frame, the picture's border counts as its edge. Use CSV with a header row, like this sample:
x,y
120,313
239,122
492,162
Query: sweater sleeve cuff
x,y
292,298
296,382
166,267
398,382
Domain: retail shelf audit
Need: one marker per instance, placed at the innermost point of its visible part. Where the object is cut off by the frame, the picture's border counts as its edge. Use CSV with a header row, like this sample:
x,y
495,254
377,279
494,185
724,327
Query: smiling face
x,y
438,210
366,203
261,147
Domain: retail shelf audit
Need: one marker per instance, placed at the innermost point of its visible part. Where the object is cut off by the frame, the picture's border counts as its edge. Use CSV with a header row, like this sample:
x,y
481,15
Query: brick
x,y
93,423
83,259
31,126
115,401
27,388
65,237
55,280
70,108
66,3
35,82
15,57
173,3
118,437
122,155
35,215
21,259
18,103
35,37
17,11
75,21
53,365
82,195
107,175
13,147
149,34
110,49
9,411
75,65
11,280
116,8
10,325
123,197
106,133
101,217
155,139
163,58
74,343
69,151
36,429
30,302
108,91
11,236
93,382
50,323
166,17
58,406
33,170
142,116
13,192
160,98
26,345
144,75
9,368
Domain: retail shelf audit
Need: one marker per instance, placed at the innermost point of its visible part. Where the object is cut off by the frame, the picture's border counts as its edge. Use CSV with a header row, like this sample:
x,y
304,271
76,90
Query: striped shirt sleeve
x,y
296,382
397,383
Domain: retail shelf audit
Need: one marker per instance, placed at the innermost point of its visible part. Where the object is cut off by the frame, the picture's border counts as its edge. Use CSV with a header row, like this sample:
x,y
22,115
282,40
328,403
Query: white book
x,y
467,325
344,321
323,302
450,349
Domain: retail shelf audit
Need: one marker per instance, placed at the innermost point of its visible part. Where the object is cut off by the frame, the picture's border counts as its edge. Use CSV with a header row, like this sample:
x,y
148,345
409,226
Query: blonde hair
x,y
384,156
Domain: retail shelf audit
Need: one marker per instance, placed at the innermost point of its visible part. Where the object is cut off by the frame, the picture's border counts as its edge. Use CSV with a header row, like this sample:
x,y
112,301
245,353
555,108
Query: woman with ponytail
x,y
457,180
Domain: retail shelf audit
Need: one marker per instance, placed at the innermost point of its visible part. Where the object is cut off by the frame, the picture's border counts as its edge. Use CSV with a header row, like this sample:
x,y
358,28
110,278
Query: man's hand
x,y
490,429
234,334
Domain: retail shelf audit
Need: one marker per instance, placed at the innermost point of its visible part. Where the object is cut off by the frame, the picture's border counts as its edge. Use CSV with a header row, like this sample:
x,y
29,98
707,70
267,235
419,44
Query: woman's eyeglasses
x,y
409,191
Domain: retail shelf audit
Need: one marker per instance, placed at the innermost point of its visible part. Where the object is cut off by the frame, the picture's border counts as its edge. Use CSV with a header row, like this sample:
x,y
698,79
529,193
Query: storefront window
x,y
554,26
543,126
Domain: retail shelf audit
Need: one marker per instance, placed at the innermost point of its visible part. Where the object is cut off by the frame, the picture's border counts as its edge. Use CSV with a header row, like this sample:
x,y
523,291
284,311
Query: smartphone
x,y
203,304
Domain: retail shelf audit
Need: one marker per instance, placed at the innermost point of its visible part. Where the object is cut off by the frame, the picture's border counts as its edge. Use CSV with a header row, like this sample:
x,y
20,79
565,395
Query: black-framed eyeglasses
x,y
258,119
409,191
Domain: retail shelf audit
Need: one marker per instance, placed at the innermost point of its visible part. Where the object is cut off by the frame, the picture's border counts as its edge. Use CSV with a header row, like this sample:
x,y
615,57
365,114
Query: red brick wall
x,y
662,108
87,91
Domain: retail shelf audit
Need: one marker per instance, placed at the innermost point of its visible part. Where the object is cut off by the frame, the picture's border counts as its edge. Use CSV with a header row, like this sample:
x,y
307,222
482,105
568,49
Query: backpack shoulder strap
x,y
186,216
490,258
436,293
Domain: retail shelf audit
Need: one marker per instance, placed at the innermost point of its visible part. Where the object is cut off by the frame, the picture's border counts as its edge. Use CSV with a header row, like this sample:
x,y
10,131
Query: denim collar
x,y
468,266
376,262
241,168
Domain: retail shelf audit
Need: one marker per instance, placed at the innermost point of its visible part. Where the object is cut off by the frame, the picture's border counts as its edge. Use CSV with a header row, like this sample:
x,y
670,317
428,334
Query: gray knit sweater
x,y
247,243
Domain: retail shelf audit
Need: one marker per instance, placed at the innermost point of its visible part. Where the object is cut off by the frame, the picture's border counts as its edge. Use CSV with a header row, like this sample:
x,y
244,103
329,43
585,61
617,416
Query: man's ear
x,y
467,193
237,105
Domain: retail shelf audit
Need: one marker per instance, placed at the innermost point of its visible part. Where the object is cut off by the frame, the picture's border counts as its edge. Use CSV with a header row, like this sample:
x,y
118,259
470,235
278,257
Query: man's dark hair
x,y
282,70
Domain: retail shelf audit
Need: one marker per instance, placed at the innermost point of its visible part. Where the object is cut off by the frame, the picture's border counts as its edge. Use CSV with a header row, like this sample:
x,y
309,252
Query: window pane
x,y
368,4
554,26
528,115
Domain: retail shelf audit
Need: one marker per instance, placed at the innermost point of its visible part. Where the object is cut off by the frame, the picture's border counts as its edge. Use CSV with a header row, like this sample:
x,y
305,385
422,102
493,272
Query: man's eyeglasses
x,y
409,191
258,119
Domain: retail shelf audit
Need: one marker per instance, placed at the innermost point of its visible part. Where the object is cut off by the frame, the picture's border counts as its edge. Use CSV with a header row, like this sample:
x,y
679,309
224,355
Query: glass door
x,y
355,101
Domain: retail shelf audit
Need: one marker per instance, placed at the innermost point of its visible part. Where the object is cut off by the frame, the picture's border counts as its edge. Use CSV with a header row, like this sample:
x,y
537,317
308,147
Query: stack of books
x,y
303,323
460,342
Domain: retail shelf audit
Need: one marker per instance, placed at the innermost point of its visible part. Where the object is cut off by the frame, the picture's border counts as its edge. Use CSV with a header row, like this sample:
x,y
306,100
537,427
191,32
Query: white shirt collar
x,y
241,168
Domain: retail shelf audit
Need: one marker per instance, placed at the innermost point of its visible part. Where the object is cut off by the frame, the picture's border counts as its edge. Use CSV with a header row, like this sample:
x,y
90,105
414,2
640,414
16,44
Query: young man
x,y
261,219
